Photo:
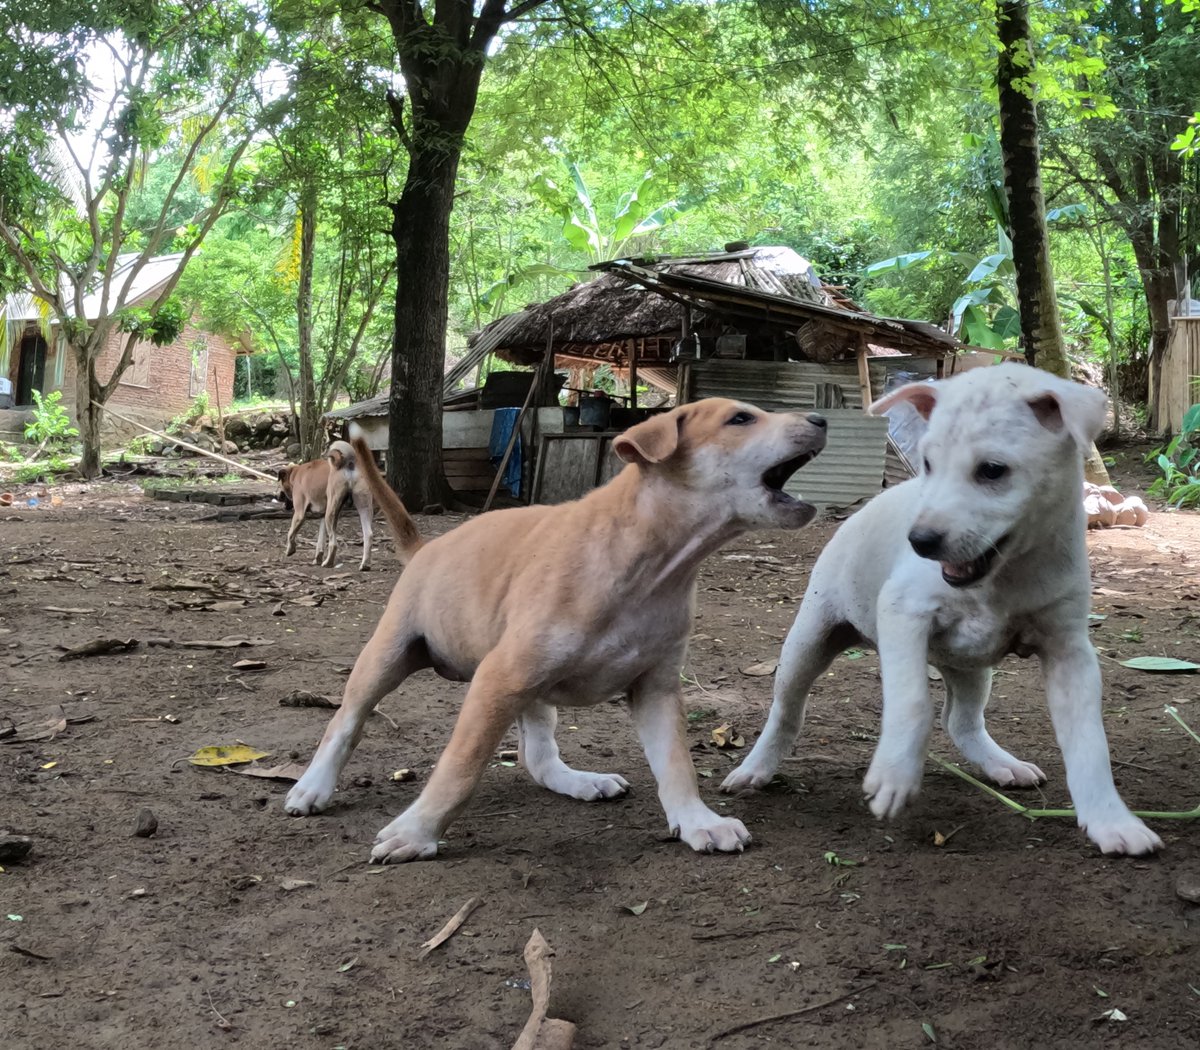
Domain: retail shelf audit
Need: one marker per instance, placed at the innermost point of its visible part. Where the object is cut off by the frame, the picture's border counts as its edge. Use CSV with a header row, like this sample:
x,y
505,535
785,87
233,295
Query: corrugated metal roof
x,y
779,385
135,286
850,468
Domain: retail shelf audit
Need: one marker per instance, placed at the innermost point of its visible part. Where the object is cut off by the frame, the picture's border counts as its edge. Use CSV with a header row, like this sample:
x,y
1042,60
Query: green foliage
x,y
160,327
197,409
51,425
43,471
1179,463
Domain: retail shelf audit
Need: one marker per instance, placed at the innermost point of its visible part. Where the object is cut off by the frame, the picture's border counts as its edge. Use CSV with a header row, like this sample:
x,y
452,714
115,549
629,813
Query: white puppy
x,y
981,555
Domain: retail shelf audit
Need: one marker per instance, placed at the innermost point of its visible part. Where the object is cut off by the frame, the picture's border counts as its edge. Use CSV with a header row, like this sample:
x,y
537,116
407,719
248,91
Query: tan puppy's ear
x,y
1079,410
922,397
283,474
653,441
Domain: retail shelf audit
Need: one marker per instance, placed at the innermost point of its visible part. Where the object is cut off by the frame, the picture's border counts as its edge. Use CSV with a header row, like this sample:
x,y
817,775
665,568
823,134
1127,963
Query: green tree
x,y
182,81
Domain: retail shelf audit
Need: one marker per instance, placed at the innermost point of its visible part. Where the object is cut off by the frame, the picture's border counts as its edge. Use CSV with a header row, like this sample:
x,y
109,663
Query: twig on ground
x,y
451,928
787,1015
222,1021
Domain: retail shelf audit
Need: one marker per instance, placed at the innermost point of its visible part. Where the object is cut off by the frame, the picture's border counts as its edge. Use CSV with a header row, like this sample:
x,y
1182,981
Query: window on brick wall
x,y
138,373
198,382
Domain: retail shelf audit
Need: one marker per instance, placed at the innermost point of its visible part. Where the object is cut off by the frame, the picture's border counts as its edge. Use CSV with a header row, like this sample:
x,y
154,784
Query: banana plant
x,y
983,315
603,239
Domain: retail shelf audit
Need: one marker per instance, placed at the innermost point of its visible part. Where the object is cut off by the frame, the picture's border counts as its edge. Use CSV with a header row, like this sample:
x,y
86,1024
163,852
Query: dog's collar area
x,y
776,477
965,573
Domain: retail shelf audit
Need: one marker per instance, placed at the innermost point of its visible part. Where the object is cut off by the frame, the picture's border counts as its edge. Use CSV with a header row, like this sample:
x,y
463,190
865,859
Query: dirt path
x,y
1010,934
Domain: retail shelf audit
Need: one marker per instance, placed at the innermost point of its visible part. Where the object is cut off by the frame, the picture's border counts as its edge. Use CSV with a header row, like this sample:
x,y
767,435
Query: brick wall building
x,y
164,380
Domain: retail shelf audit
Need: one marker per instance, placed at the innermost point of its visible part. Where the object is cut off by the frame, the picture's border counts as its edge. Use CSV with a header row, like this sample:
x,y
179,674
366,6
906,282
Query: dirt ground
x,y
1008,933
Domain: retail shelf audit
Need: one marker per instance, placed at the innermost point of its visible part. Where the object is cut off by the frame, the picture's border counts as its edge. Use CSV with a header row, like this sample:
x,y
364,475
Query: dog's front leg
x,y
1074,691
657,705
894,776
493,702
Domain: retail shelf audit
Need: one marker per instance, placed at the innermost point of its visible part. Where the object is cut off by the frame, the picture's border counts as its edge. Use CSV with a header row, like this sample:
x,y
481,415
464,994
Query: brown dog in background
x,y
498,602
324,485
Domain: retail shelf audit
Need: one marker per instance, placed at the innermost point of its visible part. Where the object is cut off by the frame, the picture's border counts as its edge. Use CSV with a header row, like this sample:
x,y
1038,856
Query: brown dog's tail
x,y
408,539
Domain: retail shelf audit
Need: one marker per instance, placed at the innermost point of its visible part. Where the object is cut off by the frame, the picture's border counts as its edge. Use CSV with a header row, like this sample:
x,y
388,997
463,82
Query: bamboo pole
x,y
183,444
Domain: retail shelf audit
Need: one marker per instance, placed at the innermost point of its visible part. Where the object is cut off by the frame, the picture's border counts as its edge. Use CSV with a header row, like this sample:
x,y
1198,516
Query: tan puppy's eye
x,y
739,419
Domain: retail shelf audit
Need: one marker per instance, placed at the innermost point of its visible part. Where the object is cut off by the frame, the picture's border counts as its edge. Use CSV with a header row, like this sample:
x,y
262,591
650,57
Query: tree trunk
x,y
87,415
310,413
421,230
1037,302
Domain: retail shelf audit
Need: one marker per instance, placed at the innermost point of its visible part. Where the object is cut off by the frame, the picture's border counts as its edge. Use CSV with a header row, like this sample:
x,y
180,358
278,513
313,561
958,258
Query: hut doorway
x,y
31,369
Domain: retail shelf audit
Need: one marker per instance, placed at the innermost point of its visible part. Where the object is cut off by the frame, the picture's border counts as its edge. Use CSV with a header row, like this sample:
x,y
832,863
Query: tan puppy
x,y
324,485
571,604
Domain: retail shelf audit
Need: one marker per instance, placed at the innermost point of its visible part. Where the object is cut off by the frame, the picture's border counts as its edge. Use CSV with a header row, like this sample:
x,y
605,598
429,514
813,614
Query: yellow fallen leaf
x,y
226,756
48,765
726,736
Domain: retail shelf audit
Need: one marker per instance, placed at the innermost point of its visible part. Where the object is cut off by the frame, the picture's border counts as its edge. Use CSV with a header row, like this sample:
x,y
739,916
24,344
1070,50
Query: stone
x,y
293,450
230,448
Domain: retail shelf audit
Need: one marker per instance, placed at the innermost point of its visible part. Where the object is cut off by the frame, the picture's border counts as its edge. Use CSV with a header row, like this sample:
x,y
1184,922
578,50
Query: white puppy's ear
x,y
652,441
922,397
336,457
1079,410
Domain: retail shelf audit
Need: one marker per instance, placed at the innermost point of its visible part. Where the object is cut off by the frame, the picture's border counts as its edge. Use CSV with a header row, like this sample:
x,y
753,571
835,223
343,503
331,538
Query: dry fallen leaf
x,y
218,755
403,776
250,665
100,647
283,771
287,885
767,667
232,642
726,736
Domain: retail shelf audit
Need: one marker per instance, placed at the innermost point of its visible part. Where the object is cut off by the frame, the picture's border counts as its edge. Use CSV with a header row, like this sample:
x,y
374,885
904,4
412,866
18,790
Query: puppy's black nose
x,y
816,420
926,542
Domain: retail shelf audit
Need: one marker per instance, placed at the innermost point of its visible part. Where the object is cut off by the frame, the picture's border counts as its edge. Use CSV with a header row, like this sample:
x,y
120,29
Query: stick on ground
x,y
542,1032
451,928
789,1014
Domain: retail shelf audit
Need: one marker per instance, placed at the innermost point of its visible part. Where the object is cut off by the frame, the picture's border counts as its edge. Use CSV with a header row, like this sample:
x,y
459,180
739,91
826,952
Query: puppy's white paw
x,y
891,787
403,840
1012,772
591,787
312,793
1123,835
746,777
706,832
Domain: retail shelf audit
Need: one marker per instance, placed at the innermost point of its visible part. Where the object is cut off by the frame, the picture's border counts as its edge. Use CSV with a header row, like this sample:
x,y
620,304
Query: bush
x,y
50,426
1179,461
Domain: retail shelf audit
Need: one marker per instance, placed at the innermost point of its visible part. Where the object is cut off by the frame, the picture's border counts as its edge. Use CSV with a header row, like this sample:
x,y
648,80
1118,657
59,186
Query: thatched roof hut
x,y
768,299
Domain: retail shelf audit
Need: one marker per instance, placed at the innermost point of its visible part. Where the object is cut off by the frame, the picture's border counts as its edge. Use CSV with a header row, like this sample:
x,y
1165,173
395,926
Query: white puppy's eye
x,y
739,419
928,468
991,471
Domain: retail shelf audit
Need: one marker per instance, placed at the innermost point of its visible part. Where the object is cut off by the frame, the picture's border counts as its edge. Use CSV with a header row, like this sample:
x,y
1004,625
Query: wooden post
x,y
220,414
633,358
538,379
864,373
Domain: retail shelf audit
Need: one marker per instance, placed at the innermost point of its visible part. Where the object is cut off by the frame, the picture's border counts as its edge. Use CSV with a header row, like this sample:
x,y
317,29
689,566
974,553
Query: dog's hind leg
x,y
810,648
299,508
365,507
538,752
333,511
962,716
386,660
498,694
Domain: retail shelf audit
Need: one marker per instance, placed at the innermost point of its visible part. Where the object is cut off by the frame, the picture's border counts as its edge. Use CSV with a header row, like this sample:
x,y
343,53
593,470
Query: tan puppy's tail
x,y
408,539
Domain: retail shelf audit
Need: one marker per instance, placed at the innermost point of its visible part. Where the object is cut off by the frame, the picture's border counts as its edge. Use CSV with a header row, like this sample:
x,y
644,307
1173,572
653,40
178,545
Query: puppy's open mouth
x,y
965,573
779,475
